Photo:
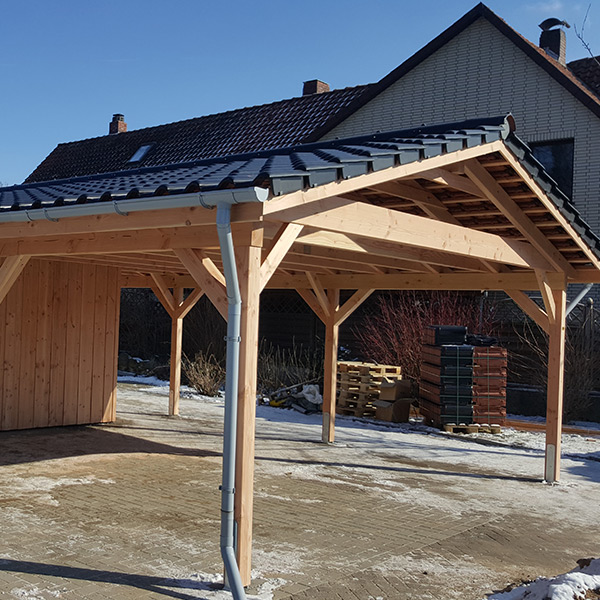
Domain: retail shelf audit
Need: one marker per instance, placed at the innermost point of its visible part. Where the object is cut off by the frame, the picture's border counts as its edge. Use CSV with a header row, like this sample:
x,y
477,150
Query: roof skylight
x,y
140,153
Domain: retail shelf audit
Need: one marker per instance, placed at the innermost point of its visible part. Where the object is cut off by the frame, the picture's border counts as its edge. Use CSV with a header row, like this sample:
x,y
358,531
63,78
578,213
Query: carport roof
x,y
292,169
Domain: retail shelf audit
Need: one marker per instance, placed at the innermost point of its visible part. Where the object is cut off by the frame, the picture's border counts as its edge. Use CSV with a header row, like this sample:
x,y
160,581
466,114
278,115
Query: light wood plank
x,y
184,308
73,343
452,180
44,345
97,401
309,297
281,244
554,405
343,312
111,344
176,340
162,292
248,267
547,295
330,367
214,289
530,308
377,223
10,270
84,394
320,293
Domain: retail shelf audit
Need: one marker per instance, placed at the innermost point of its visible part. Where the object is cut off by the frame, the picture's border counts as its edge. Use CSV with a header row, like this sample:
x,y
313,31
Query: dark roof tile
x,y
264,127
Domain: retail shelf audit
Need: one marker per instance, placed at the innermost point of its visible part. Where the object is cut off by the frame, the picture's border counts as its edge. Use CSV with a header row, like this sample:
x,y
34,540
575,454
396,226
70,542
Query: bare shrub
x,y
283,367
582,364
393,333
204,373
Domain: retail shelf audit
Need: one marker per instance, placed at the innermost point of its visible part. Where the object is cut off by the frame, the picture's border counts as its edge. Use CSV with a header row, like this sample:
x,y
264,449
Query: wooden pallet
x,y
370,369
472,428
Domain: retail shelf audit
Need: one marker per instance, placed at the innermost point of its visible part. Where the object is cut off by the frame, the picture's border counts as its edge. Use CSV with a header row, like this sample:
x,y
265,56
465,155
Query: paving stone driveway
x,y
131,511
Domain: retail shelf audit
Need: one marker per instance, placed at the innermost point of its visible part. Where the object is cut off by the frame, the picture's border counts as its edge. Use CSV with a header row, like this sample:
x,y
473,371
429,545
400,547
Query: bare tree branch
x,y
580,35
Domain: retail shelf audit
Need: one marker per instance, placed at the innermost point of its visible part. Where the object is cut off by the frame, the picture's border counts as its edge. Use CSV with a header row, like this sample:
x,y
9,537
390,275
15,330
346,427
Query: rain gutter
x,y
95,207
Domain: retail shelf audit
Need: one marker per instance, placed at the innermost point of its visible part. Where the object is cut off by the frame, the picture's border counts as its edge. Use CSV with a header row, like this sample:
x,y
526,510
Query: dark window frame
x,y
558,158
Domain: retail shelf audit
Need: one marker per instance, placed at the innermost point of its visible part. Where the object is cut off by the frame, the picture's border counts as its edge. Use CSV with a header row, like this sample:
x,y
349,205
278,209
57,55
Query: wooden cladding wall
x,y
58,346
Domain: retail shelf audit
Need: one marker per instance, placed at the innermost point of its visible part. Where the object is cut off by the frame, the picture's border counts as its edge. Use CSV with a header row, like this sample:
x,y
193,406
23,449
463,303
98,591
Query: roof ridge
x,y
217,114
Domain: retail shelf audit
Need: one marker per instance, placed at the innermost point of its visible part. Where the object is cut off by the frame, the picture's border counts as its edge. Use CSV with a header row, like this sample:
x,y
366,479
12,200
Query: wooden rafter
x,y
511,210
10,270
452,180
546,290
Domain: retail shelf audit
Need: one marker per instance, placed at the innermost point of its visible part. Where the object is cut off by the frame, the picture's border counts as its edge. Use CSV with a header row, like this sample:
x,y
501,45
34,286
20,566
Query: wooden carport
x,y
455,207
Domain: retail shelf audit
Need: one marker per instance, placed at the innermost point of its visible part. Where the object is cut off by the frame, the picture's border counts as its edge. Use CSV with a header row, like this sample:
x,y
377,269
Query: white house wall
x,y
481,73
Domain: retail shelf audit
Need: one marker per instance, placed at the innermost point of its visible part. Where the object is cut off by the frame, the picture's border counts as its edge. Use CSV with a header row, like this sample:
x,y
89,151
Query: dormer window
x,y
140,153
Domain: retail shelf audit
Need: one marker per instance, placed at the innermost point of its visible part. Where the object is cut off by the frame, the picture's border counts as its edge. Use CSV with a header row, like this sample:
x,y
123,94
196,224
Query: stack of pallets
x,y
461,383
358,386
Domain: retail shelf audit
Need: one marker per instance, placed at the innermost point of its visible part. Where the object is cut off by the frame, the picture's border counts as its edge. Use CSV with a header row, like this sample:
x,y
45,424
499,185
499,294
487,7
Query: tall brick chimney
x,y
554,41
314,86
117,125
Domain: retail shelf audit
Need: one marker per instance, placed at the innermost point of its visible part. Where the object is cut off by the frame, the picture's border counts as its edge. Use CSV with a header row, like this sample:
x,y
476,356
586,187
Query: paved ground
x,y
131,511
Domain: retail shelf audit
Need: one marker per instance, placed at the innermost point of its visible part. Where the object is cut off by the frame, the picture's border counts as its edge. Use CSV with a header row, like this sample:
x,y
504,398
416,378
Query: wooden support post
x,y
554,403
248,257
10,270
330,368
176,339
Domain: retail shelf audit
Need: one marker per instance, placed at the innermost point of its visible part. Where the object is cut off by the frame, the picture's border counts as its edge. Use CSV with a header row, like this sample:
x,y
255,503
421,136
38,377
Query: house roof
x,y
588,71
584,90
274,125
288,170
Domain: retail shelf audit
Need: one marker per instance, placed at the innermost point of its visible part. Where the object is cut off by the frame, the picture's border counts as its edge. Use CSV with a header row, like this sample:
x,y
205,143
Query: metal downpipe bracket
x,y
234,299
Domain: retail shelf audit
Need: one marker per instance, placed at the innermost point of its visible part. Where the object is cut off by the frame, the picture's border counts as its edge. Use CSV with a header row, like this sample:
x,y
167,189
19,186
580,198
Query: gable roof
x,y
559,72
274,125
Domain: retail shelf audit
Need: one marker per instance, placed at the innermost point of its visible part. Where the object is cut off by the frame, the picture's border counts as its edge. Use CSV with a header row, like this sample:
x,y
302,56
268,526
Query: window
x,y
557,159
140,153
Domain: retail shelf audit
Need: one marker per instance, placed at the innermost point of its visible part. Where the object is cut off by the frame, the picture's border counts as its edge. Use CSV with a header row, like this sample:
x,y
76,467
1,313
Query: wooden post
x,y
554,406
248,257
332,330
176,339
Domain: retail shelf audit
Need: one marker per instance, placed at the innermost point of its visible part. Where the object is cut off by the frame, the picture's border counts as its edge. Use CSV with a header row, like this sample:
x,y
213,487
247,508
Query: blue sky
x,y
67,65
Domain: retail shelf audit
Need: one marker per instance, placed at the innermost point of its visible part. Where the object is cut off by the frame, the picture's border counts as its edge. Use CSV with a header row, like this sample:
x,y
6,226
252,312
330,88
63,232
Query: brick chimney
x,y
554,41
314,86
117,125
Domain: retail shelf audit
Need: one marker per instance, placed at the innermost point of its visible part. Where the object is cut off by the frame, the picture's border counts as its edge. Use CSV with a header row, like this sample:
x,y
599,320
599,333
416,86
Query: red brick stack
x,y
489,385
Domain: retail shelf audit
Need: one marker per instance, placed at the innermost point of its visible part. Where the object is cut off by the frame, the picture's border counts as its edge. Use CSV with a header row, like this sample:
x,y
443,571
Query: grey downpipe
x,y
582,294
234,314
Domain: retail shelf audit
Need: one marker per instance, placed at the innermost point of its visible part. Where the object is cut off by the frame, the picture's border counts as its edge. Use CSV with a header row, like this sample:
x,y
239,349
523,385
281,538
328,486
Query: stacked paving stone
x,y
358,385
461,383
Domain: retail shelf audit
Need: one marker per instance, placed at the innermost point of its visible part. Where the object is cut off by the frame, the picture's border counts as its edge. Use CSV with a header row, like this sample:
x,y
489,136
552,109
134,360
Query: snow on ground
x,y
574,585
507,462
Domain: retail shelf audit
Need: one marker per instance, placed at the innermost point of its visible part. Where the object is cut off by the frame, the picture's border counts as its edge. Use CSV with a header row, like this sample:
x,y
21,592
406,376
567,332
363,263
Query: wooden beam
x,y
492,190
344,311
452,180
554,403
152,219
550,206
547,295
184,308
10,270
281,244
430,281
530,308
330,367
204,278
176,340
309,297
374,222
320,293
248,267
162,292
379,247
